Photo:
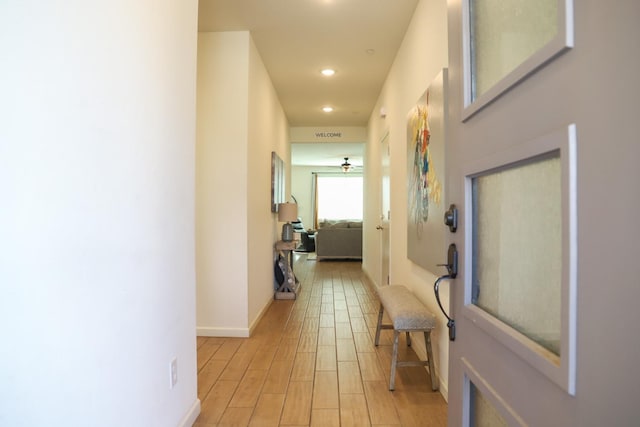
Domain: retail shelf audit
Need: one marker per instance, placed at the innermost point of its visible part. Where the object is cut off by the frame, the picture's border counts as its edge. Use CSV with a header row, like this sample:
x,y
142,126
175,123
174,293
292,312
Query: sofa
x,y
340,239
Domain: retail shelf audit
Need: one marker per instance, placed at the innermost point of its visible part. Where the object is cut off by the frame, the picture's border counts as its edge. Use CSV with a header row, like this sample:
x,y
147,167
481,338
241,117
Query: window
x,y
504,42
339,197
521,282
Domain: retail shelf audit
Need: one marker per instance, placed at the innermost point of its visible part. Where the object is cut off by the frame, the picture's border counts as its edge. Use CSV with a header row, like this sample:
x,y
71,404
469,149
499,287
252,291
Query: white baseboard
x,y
372,282
260,315
208,331
205,331
444,390
191,416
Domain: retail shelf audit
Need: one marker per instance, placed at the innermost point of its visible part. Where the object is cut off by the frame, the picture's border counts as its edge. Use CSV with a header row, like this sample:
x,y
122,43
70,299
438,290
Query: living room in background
x,y
338,215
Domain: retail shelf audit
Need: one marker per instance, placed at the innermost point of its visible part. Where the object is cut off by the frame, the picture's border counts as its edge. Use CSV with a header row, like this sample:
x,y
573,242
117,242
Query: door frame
x,y
385,209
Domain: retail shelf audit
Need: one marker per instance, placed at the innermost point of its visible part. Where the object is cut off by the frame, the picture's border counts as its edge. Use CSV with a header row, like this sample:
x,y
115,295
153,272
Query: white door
x,y
385,210
541,162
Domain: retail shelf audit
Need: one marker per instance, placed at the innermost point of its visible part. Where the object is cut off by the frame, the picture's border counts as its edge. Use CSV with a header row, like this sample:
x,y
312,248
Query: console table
x,y
291,286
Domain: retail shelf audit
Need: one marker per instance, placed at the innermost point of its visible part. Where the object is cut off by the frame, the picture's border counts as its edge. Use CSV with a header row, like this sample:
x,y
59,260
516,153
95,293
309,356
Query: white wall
x,y
268,131
221,183
240,121
97,243
420,58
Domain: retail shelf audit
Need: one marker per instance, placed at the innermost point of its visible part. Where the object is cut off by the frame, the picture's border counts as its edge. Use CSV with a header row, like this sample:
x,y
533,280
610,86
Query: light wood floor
x,y
312,362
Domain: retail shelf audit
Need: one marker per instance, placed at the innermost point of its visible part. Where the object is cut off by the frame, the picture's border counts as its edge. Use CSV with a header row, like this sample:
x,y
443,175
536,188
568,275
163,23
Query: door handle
x,y
452,272
379,227
452,261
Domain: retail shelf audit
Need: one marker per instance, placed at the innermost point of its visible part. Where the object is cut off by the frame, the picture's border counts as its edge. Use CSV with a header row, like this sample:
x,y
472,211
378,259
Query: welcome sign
x,y
328,134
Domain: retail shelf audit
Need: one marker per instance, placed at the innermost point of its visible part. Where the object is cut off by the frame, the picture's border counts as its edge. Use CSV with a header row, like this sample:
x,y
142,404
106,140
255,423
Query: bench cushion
x,y
404,309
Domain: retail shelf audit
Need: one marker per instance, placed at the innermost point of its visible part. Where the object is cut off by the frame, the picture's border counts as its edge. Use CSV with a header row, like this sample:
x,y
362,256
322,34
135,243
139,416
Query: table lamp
x,y
287,212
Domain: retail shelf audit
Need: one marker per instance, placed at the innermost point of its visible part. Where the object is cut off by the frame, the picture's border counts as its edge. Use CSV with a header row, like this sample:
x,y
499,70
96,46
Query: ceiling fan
x,y
346,166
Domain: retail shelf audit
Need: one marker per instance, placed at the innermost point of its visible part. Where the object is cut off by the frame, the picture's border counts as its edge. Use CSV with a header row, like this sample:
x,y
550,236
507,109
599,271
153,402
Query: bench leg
x,y
432,365
408,339
394,360
380,313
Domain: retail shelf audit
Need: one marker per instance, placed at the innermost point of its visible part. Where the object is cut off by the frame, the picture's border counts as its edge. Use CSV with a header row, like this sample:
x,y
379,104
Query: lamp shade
x,y
287,212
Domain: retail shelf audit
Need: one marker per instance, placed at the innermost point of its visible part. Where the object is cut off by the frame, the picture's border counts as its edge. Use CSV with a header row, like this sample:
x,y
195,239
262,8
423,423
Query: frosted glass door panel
x,y
483,413
517,244
504,34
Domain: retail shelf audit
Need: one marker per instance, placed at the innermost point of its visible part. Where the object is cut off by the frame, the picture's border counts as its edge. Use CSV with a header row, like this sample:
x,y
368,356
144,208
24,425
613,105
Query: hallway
x,y
312,362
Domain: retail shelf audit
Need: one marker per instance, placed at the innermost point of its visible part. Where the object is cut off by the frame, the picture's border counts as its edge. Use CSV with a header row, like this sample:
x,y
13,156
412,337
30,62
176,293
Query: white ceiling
x,y
298,38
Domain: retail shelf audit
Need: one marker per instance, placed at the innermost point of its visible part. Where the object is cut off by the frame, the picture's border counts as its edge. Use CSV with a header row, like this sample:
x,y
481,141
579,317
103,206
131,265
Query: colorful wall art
x,y
426,127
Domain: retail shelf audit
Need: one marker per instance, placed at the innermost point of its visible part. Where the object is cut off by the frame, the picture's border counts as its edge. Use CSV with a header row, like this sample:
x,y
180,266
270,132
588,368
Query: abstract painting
x,y
426,127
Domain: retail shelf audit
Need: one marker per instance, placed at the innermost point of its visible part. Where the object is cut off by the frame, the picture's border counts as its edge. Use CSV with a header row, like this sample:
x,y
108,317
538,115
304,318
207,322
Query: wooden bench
x,y
407,315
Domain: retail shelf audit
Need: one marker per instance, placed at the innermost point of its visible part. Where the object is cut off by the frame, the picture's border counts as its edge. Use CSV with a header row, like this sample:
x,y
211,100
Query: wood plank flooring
x,y
312,362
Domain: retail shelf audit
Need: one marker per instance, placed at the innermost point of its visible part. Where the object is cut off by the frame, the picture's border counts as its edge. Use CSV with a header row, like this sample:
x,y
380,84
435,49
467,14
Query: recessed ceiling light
x,y
328,72
327,109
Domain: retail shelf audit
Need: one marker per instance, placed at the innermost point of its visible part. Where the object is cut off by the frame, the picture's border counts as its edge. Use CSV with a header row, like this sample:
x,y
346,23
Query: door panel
x,y
514,299
588,98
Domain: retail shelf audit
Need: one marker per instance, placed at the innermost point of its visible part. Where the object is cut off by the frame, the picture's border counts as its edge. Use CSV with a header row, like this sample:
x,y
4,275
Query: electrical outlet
x,y
173,373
